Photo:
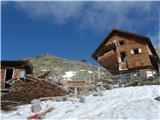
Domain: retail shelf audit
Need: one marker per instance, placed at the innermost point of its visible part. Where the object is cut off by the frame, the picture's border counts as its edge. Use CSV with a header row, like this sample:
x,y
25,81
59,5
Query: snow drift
x,y
120,103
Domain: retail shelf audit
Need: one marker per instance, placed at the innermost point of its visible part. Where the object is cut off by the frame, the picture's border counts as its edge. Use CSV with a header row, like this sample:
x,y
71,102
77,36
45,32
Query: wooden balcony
x,y
106,48
109,47
105,55
109,60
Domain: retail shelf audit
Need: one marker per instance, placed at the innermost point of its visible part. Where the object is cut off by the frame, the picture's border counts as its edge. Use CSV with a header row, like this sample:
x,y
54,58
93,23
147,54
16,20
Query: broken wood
x,y
53,98
46,74
32,77
7,101
25,91
11,81
9,105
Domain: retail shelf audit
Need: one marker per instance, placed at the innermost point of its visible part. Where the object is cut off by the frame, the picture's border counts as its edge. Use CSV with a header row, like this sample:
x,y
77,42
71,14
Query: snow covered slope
x,y
120,103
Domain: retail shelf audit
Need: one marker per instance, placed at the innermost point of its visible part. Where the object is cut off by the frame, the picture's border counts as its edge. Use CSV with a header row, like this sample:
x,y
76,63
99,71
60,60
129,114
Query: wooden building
x,y
13,70
123,52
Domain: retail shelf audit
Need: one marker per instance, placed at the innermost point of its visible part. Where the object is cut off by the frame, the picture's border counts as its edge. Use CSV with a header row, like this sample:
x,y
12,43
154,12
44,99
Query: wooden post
x,y
75,92
99,74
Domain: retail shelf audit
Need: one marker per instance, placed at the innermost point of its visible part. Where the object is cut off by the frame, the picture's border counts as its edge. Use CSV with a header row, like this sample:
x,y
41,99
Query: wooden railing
x,y
107,54
106,48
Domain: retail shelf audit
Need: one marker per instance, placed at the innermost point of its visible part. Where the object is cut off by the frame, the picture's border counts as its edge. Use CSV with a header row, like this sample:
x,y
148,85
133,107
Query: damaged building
x,y
14,70
122,53
21,86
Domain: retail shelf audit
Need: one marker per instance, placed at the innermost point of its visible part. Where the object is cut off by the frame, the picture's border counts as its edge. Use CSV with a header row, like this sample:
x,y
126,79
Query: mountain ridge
x,y
84,70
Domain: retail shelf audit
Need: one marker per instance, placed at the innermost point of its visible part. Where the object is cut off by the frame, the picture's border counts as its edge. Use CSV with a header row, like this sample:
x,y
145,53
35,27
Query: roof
x,y
23,64
114,31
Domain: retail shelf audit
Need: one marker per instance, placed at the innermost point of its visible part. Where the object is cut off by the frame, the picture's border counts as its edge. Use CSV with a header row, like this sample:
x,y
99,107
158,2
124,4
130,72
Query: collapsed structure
x,y
14,70
124,52
21,86
32,88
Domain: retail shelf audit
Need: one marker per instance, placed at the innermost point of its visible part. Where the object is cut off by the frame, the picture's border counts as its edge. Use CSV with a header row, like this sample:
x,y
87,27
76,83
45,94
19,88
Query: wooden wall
x,y
16,74
2,76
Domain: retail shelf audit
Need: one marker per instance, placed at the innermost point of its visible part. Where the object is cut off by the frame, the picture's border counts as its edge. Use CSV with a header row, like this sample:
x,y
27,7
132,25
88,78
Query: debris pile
x,y
27,90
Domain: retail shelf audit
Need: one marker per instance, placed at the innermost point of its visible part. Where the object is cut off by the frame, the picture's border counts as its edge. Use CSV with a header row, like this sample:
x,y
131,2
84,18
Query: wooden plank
x,y
53,98
16,73
3,73
7,101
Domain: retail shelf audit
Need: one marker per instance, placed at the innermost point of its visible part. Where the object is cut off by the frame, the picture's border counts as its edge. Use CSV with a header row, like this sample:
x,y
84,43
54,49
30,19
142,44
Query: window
x,y
22,73
121,42
122,56
8,77
136,51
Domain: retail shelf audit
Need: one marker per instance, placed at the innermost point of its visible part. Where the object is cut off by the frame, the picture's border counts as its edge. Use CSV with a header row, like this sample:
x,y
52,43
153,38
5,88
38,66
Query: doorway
x,y
9,74
123,56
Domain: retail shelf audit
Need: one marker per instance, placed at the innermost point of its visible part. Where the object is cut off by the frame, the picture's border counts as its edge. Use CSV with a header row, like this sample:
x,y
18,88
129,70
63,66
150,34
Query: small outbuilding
x,y
13,70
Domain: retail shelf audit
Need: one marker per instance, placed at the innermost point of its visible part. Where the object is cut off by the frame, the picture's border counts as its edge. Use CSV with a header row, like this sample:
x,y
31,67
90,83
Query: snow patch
x,y
68,75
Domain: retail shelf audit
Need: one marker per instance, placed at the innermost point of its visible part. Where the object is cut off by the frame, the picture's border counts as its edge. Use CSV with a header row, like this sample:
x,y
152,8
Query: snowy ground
x,y
122,103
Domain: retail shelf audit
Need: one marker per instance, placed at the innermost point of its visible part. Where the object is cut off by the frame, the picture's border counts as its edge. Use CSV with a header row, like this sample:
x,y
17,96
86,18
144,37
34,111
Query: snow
x,y
68,75
44,70
119,103
90,72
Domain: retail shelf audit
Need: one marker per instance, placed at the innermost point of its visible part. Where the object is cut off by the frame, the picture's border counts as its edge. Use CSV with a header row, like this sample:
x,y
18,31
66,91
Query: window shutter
x,y
132,52
140,50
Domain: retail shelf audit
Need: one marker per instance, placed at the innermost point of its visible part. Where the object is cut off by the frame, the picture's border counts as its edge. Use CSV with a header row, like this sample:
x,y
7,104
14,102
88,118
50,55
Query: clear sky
x,y
71,30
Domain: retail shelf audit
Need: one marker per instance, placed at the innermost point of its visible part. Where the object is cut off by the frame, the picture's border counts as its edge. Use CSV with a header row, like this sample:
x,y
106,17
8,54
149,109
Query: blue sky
x,y
71,30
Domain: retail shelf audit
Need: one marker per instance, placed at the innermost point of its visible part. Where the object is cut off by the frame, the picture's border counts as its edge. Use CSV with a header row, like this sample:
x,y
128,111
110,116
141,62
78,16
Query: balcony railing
x,y
107,54
107,48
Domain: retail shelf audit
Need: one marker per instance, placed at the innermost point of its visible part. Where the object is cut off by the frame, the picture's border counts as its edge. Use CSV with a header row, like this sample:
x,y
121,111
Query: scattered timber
x,y
29,88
